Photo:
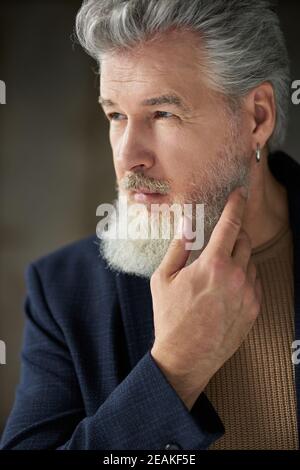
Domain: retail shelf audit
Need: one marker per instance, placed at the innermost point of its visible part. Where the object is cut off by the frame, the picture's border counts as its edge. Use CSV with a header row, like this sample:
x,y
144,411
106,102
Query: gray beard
x,y
142,257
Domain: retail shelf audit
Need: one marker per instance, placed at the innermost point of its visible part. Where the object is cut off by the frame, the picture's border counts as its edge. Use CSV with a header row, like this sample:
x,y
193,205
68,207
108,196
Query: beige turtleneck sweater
x,y
254,392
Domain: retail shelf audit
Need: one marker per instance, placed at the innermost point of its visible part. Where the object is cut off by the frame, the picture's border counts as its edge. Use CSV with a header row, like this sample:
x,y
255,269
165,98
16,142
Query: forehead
x,y
170,62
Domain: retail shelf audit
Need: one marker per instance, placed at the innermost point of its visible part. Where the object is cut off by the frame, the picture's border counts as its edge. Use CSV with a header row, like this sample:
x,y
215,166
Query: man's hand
x,y
204,311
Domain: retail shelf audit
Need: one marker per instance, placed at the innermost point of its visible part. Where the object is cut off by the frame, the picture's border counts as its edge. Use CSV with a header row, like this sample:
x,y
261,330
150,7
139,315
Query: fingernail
x,y
187,228
244,192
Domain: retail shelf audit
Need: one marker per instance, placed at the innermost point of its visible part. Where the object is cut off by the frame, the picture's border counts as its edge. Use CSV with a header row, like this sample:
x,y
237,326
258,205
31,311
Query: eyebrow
x,y
170,99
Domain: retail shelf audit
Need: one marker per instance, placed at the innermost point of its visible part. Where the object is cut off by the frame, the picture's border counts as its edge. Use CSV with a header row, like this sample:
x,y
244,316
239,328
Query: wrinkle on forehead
x,y
172,62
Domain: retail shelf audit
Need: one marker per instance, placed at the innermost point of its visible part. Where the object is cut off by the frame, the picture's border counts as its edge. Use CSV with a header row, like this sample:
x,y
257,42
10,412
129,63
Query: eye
x,y
115,117
163,115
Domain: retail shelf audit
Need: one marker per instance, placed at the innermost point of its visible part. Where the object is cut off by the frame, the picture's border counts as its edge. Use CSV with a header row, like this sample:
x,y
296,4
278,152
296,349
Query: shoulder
x,y
76,255
285,169
74,270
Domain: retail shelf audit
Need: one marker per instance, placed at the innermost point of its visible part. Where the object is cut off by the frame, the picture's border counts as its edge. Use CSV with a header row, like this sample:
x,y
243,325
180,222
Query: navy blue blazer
x,y
88,380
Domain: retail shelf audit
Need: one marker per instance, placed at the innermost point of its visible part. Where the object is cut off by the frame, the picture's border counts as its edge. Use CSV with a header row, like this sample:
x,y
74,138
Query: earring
x,y
258,153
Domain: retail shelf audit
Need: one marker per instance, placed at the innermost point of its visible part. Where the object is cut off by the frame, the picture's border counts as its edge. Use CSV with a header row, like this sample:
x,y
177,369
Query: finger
x,y
226,231
244,322
177,254
242,250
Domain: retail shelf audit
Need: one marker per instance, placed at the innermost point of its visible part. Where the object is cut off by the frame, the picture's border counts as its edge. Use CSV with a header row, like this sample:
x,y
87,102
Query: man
x,y
153,346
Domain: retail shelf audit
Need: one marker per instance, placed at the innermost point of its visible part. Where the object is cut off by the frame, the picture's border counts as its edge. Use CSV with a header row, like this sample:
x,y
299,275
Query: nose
x,y
133,148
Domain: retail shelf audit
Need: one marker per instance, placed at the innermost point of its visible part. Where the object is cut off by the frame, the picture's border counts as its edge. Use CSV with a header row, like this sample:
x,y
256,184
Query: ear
x,y
261,110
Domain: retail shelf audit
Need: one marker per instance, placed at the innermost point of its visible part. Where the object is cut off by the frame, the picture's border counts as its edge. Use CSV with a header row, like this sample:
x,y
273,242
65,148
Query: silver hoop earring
x,y
258,153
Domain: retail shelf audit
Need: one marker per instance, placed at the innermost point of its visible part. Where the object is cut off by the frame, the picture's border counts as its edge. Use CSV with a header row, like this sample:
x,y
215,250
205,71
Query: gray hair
x,y
242,41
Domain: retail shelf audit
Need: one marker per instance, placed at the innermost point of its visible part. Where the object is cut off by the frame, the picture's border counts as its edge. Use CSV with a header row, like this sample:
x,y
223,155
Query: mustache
x,y
137,181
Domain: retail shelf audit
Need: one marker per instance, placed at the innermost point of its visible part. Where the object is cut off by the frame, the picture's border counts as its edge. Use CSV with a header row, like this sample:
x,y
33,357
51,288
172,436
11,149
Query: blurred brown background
x,y
55,157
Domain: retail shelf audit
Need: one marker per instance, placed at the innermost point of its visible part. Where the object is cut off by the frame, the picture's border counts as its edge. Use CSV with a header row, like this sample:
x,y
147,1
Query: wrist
x,y
181,383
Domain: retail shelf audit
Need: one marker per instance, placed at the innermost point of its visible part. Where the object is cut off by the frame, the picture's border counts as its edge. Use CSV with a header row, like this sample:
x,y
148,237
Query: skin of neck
x,y
266,211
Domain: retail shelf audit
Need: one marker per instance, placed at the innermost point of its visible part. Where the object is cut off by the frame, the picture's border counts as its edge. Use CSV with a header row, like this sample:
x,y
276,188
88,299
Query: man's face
x,y
190,144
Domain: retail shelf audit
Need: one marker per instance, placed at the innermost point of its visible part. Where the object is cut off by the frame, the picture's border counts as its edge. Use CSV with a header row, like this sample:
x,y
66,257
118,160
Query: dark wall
x,y
55,158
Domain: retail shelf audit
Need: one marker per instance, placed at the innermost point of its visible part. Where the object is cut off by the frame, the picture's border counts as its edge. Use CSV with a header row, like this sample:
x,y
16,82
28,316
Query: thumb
x,y
177,254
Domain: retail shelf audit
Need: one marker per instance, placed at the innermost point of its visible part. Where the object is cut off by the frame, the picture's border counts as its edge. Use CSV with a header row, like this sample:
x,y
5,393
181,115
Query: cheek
x,y
178,165
114,140
187,152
